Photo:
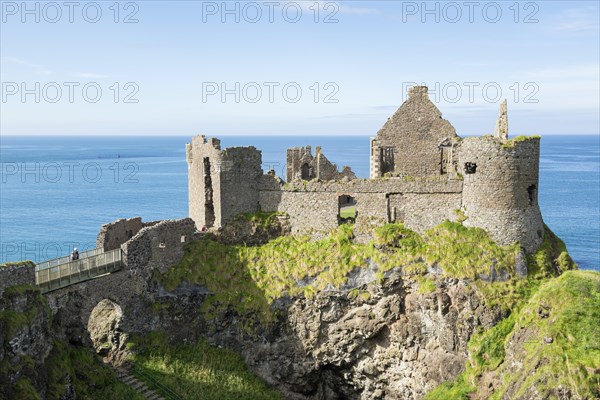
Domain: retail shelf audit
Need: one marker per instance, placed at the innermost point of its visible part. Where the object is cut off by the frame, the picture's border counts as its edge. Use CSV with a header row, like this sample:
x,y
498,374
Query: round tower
x,y
500,190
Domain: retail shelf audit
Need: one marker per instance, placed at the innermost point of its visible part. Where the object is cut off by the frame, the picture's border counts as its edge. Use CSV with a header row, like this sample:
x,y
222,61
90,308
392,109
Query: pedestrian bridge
x,y
60,272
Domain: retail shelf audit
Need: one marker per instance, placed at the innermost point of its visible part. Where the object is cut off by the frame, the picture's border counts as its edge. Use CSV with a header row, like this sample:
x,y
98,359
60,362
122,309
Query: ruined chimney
x,y
418,91
502,123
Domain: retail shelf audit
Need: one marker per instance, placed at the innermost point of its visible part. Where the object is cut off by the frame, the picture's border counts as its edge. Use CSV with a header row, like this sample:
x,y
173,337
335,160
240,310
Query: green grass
x,y
457,390
463,252
11,322
25,263
348,212
198,371
572,360
521,138
248,279
90,378
426,284
551,258
262,218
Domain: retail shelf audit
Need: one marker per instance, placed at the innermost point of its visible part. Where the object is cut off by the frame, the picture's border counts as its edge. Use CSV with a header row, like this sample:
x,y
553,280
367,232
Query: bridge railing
x,y
65,259
61,272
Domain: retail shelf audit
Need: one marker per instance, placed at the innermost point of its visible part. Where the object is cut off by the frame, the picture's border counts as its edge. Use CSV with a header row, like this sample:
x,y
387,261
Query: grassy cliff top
x,y
250,279
25,263
550,346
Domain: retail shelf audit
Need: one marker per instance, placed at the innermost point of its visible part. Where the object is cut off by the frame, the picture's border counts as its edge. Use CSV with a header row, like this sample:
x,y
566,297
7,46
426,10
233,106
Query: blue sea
x,y
56,192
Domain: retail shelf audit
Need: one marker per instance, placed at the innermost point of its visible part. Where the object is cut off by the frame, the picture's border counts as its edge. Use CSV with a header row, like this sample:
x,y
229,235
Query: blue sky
x,y
543,57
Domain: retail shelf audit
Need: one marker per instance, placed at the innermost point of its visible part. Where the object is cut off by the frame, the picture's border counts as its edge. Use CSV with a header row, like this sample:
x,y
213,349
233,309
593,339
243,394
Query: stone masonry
x,y
114,234
422,172
157,246
300,164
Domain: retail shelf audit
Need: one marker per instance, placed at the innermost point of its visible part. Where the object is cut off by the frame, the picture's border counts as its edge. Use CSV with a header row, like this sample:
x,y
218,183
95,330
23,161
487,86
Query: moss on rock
x,y
549,345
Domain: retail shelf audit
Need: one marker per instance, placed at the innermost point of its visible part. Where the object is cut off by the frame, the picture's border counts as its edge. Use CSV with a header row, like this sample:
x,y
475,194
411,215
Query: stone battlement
x,y
421,172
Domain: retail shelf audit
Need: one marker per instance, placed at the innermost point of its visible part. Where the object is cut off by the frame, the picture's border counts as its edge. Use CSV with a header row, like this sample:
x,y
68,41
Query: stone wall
x,y
392,185
295,158
314,206
160,245
17,274
309,212
422,211
500,191
301,165
221,183
410,139
421,173
114,234
239,182
371,210
131,288
204,164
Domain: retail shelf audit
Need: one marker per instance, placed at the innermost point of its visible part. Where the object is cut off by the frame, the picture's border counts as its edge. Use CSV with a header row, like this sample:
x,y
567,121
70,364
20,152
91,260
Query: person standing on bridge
x,y
75,254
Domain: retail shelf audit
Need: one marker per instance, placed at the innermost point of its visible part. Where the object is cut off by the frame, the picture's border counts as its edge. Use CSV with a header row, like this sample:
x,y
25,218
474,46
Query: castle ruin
x,y
421,173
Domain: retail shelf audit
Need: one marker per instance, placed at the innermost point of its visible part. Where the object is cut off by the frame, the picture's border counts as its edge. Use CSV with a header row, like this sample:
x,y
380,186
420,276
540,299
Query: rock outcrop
x,y
396,334
374,341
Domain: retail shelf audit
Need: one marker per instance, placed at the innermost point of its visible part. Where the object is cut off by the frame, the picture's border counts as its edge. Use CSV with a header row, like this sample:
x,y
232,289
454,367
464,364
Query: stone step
x,y
137,385
124,375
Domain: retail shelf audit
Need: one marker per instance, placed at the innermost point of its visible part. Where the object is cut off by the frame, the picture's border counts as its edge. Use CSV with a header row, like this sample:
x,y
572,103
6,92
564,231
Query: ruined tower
x,y
500,189
221,183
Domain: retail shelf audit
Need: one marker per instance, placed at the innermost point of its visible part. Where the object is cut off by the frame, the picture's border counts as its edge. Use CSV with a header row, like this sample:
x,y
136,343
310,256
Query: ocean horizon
x,y
58,190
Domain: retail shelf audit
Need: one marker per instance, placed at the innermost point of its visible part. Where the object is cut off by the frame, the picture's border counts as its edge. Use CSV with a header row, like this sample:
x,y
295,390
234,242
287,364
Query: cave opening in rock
x,y
104,328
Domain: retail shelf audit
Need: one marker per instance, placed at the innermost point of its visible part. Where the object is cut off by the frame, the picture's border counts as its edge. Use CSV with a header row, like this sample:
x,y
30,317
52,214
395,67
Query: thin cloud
x,y
38,69
578,20
569,72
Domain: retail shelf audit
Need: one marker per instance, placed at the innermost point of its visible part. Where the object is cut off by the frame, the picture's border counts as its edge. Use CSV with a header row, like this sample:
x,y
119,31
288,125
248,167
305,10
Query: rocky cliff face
x,y
371,341
381,334
24,341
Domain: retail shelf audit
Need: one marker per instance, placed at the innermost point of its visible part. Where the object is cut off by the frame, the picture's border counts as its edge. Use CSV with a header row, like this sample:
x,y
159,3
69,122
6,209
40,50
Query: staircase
x,y
125,376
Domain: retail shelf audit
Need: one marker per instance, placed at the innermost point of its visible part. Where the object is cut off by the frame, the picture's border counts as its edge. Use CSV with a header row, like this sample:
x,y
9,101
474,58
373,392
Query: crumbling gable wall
x,y
160,245
409,142
301,164
114,234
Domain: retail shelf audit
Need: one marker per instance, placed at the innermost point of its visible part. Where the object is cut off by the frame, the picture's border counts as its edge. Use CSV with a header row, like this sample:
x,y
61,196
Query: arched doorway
x,y
104,328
